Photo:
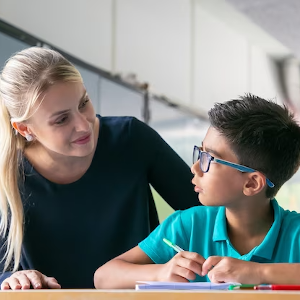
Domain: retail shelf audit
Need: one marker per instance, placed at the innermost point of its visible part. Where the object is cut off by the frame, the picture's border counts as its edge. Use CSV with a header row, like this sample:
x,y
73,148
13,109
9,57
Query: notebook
x,y
159,285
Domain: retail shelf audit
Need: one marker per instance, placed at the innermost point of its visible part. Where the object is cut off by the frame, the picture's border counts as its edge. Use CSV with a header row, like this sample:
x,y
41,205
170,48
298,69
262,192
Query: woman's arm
x,y
167,172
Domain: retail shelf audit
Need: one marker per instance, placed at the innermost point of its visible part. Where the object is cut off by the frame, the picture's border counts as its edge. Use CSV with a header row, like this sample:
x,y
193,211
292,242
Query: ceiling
x,y
279,18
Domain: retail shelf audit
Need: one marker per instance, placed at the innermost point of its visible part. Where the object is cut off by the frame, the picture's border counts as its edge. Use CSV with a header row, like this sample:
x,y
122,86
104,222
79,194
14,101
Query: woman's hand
x,y
182,267
23,280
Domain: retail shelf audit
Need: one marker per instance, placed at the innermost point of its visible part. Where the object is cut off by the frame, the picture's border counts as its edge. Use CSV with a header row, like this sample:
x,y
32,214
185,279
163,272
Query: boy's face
x,y
221,185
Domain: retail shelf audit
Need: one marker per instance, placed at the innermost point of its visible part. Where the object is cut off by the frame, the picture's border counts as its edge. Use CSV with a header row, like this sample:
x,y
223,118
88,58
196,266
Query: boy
x,y
250,150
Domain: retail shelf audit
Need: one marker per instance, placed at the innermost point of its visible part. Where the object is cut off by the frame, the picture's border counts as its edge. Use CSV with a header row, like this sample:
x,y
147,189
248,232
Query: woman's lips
x,y
83,140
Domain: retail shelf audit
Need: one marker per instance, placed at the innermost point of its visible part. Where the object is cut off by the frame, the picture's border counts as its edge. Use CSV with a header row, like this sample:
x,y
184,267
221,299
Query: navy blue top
x,y
72,229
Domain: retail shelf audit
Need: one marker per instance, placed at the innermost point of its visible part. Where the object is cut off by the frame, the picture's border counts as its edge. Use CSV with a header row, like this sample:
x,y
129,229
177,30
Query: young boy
x,y
250,150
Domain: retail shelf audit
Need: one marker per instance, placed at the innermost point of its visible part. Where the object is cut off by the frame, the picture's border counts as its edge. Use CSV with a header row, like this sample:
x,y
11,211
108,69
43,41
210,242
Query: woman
x,y
74,187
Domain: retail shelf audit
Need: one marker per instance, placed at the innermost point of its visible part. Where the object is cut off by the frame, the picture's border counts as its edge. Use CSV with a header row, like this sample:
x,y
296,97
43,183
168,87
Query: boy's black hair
x,y
263,135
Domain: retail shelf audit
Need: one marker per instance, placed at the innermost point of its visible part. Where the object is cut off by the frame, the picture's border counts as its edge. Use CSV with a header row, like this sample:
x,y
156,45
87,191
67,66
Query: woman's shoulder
x,y
115,133
124,123
117,121
127,128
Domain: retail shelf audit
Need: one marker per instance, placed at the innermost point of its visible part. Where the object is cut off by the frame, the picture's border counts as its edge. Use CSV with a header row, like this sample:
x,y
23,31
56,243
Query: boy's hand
x,y
182,267
228,269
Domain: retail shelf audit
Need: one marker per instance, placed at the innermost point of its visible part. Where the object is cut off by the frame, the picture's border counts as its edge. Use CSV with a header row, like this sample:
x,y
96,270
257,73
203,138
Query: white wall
x,y
228,63
193,51
264,77
81,27
153,40
221,60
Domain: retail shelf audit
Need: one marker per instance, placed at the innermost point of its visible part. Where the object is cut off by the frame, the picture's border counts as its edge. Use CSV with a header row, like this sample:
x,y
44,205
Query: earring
x,y
28,137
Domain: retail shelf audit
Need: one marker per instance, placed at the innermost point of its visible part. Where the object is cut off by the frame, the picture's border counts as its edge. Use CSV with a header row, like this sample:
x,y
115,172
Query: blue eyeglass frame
x,y
238,167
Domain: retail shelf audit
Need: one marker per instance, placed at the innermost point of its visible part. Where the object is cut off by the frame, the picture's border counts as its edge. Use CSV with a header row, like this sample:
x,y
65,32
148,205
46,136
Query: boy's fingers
x,y
210,263
190,265
193,256
183,275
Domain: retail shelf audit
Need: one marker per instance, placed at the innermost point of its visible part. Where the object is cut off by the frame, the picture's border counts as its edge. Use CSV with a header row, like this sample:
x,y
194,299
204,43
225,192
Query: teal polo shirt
x,y
203,229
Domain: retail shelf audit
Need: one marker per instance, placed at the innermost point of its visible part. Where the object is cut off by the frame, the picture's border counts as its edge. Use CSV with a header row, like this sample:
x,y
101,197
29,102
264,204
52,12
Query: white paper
x,y
162,285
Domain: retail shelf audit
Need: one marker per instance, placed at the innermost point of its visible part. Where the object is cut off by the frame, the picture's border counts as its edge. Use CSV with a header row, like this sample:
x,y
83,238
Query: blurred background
x,y
167,61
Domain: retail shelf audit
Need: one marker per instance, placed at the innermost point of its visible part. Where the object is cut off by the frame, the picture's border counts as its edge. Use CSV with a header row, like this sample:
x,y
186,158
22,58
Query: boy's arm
x,y
228,269
280,273
124,270
133,265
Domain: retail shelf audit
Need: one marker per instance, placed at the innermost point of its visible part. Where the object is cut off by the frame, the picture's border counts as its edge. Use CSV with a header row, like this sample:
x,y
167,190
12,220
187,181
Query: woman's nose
x,y
82,123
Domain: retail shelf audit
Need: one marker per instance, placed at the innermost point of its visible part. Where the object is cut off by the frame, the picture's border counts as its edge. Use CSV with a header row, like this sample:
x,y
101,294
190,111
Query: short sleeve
x,y
171,229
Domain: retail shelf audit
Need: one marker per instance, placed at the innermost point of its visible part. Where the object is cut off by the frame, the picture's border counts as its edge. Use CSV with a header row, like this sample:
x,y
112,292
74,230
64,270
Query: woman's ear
x,y
255,184
21,128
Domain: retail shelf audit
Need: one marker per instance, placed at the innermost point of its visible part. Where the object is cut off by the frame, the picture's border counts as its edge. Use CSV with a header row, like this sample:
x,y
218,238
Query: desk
x,y
146,295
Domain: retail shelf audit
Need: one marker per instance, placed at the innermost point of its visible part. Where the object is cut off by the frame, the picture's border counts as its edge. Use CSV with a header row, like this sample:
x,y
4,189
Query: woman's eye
x,y
62,120
84,103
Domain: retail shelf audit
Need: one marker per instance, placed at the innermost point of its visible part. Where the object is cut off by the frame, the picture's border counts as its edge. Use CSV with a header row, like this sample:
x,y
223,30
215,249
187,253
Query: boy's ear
x,y
255,184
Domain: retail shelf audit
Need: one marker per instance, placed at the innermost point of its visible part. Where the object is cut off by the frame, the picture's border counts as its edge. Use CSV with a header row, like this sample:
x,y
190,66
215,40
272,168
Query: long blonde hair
x,y
25,77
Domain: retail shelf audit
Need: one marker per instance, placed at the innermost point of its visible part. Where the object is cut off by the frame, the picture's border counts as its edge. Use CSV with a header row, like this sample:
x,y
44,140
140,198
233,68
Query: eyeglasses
x,y
205,159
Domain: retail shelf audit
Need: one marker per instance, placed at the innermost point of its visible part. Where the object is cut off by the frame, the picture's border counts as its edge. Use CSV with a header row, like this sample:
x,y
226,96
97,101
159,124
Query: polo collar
x,y
266,248
220,228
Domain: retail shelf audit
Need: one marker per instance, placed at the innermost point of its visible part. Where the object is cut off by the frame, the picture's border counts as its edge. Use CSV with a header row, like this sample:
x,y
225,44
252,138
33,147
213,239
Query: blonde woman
x,y
74,186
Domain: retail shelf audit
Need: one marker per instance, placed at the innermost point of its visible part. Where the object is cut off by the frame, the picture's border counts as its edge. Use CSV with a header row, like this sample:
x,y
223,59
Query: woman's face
x,y
64,123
